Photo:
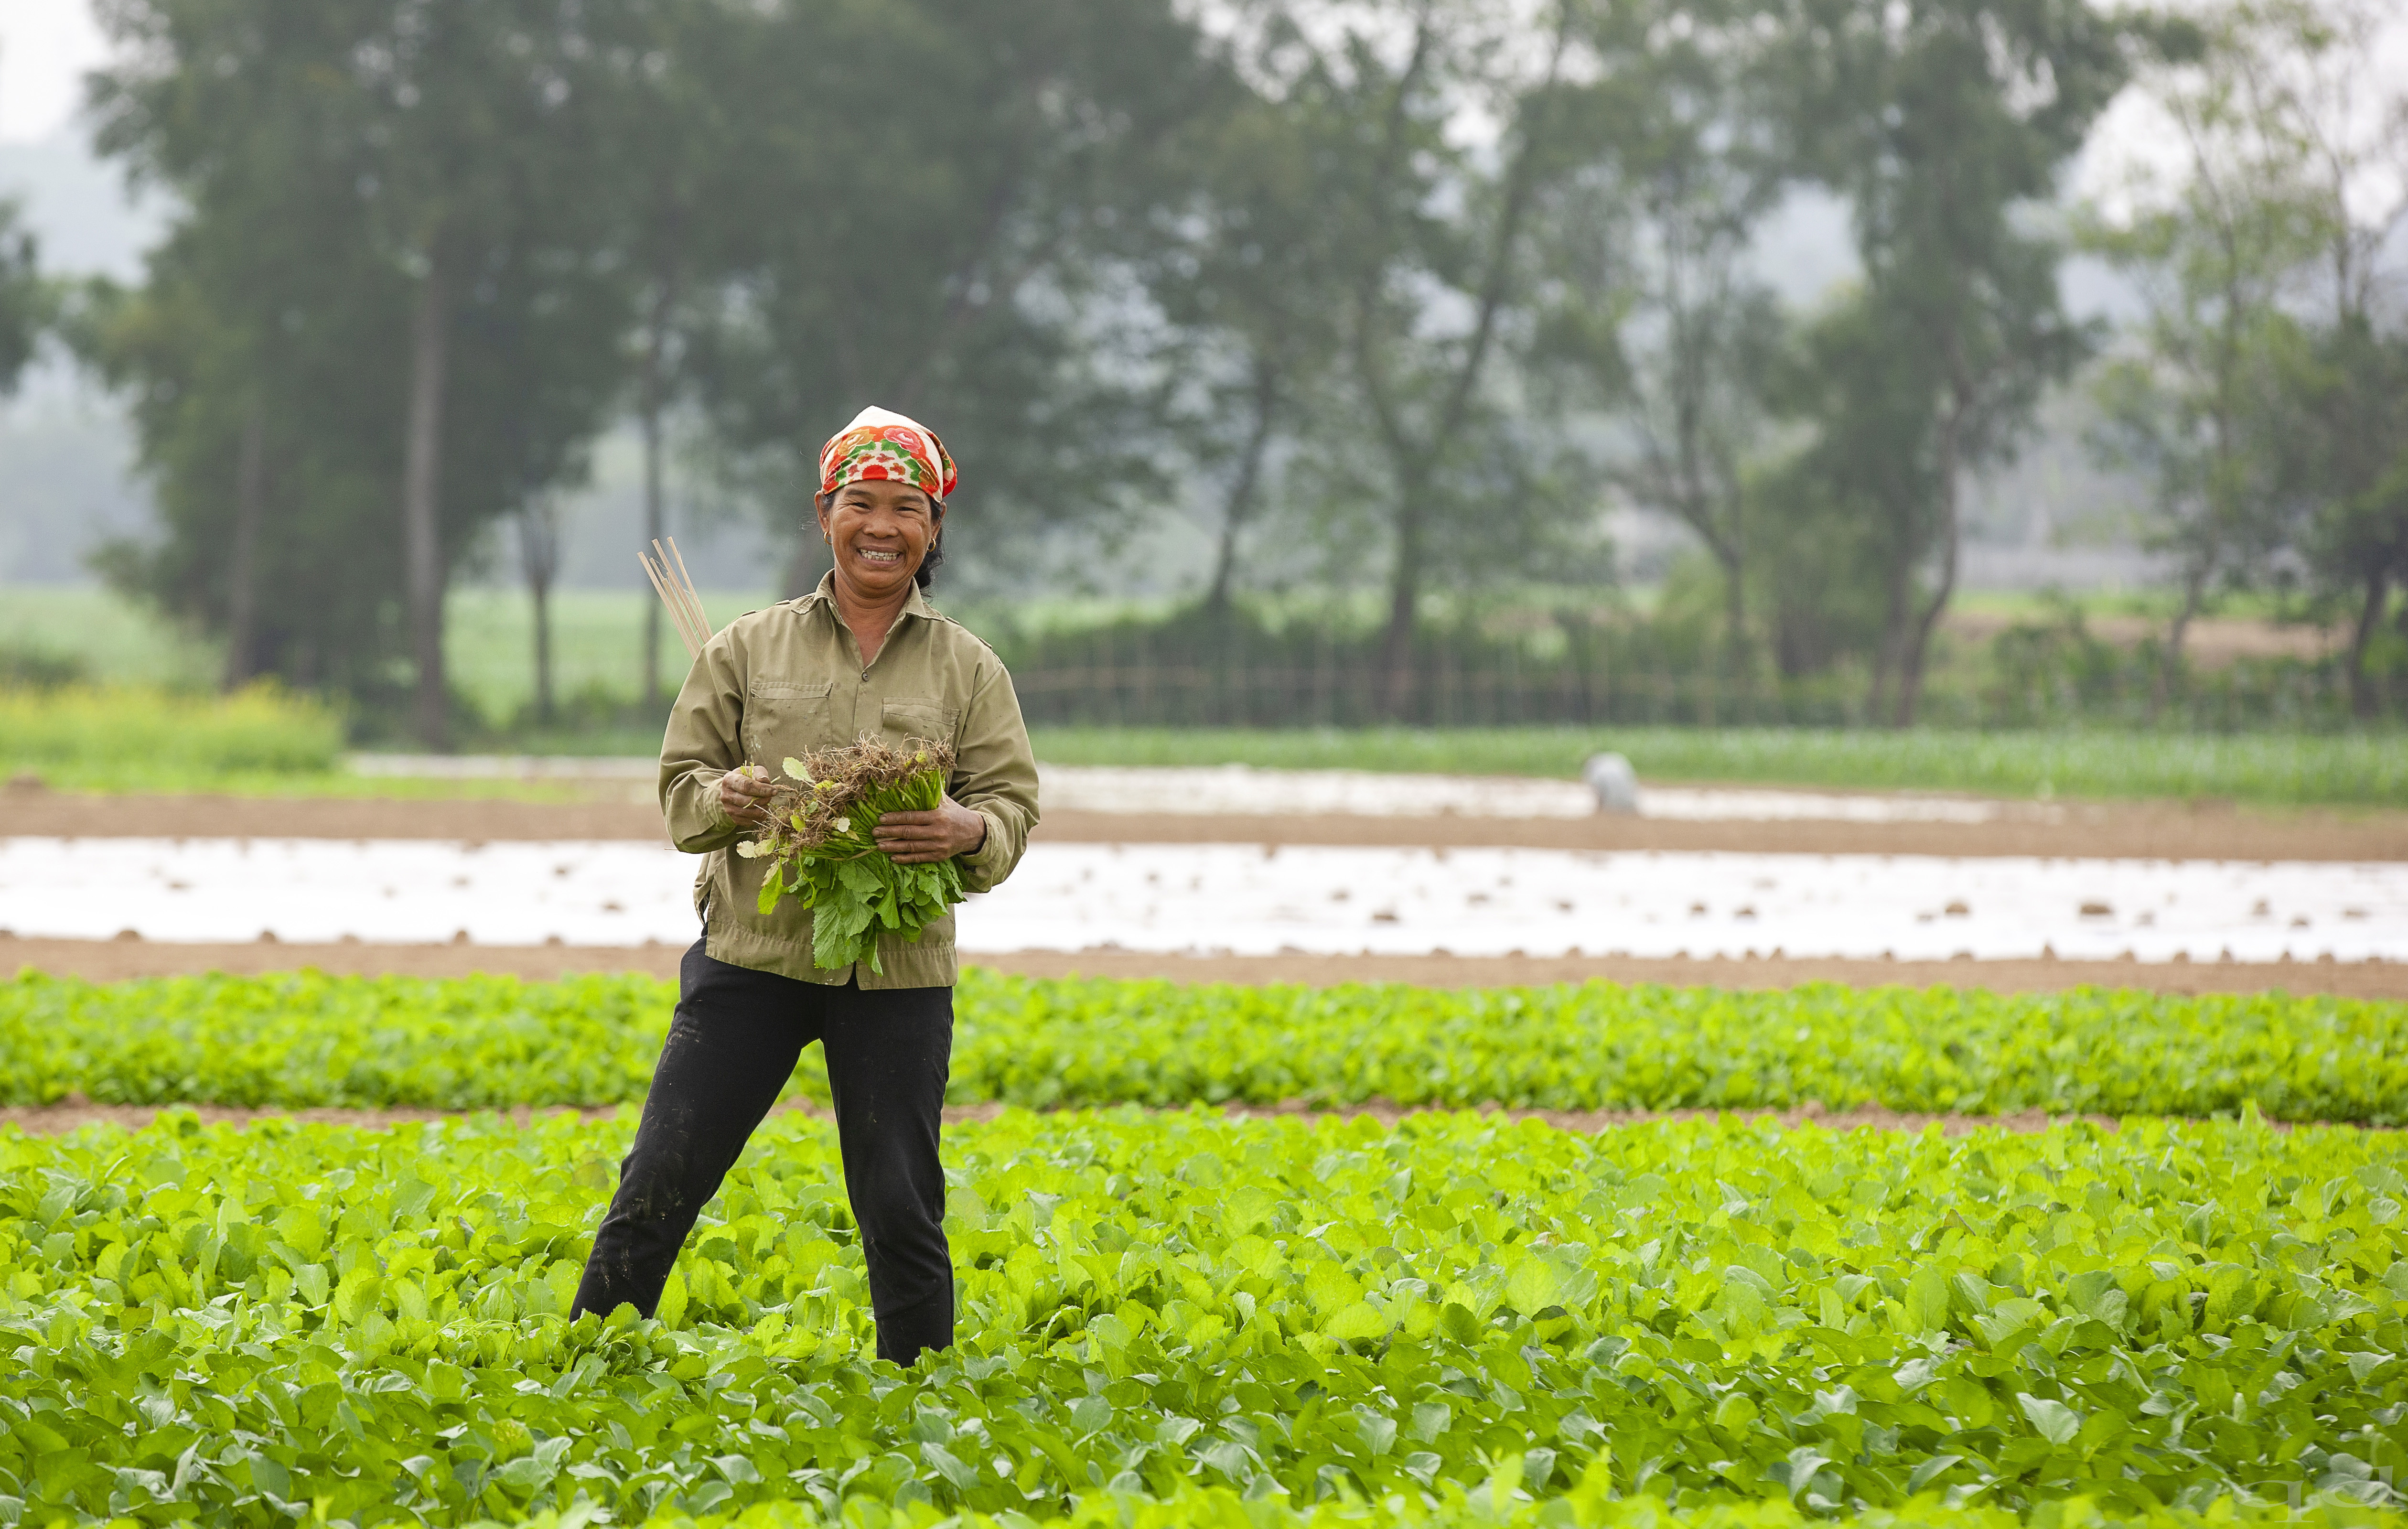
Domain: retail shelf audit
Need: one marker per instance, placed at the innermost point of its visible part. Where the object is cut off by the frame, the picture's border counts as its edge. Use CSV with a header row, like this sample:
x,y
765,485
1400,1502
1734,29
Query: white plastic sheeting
x,y
1248,899
1241,788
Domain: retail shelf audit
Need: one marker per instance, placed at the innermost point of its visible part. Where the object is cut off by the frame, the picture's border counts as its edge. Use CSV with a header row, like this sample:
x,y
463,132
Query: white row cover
x,y
1249,899
1241,788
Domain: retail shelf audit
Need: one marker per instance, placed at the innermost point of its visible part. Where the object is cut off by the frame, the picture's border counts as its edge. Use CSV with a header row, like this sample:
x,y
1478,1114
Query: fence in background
x,y
1167,676
1355,694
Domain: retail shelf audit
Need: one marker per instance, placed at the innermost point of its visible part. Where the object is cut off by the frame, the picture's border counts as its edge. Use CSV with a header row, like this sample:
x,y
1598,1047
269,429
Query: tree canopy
x,y
1412,292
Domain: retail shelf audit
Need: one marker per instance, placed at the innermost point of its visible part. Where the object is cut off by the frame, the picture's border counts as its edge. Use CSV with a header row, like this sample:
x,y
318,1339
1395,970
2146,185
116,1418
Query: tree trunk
x,y
421,504
656,524
1887,656
2370,611
2161,683
544,709
539,560
242,578
1734,611
650,402
1404,604
1918,650
1240,504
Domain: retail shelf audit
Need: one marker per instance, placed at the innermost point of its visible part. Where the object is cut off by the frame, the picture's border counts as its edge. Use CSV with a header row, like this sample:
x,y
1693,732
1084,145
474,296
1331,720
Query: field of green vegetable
x,y
310,1039
1239,1317
2368,769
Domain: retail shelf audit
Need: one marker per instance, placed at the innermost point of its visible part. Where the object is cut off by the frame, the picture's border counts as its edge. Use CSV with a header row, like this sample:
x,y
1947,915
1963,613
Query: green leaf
x,y
670,1312
1926,1299
1361,1320
1532,1286
1930,1470
2057,1423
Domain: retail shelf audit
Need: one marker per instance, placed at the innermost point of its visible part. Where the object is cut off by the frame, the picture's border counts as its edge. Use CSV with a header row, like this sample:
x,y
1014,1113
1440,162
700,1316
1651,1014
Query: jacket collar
x,y
914,603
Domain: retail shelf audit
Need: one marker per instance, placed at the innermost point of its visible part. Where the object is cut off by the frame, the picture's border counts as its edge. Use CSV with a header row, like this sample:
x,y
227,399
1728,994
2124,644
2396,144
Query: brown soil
x,y
2147,830
47,813
51,1119
2140,830
115,960
2355,979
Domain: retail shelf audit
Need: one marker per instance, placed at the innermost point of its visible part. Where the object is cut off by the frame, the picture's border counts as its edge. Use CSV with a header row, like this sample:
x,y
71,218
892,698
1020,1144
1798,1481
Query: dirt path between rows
x,y
2140,830
118,959
54,1120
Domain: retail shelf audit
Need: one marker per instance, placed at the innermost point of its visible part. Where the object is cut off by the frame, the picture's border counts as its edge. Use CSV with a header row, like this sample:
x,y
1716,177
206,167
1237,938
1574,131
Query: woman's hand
x,y
744,797
922,838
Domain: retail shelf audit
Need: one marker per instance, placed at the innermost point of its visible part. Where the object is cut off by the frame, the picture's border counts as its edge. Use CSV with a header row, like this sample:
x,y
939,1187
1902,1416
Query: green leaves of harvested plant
x,y
819,844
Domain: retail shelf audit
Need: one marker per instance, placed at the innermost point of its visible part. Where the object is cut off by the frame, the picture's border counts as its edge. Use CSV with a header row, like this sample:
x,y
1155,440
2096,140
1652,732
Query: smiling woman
x,y
861,656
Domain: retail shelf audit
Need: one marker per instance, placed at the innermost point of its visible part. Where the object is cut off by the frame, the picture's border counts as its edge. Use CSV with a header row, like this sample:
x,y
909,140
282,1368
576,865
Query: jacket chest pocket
x,y
903,718
788,717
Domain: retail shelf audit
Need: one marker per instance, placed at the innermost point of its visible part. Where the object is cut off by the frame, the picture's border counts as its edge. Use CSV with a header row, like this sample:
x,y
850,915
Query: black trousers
x,y
734,1039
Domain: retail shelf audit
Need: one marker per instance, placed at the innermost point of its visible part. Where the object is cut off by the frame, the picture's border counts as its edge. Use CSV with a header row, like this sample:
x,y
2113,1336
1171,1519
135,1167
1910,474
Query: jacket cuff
x,y
990,862
713,812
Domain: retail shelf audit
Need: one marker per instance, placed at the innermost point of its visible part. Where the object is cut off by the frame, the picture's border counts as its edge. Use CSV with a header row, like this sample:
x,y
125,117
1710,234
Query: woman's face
x,y
879,531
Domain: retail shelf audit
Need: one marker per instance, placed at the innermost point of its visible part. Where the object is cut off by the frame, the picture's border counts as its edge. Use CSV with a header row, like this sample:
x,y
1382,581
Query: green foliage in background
x,y
148,739
317,1323
489,1042
2283,768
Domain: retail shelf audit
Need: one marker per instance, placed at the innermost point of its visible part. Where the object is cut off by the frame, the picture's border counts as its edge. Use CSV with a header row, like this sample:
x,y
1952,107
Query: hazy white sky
x,y
45,48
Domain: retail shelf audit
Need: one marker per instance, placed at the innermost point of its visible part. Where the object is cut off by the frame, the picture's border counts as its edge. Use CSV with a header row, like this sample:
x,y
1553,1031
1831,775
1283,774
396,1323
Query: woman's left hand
x,y
922,838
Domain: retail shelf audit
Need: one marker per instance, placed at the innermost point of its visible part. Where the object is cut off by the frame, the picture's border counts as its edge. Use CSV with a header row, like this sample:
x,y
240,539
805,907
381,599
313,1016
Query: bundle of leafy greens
x,y
819,845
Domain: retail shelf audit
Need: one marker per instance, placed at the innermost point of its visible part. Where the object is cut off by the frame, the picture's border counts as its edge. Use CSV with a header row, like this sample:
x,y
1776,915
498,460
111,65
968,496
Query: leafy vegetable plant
x,y
819,844
309,1039
1183,1318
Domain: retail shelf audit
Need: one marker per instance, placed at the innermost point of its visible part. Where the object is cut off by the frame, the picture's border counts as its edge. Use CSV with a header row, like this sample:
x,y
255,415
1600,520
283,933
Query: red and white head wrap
x,y
880,443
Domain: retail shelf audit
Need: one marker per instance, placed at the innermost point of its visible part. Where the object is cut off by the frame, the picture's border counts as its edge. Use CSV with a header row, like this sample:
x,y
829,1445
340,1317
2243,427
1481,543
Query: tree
x,y
27,301
2352,459
672,133
407,179
1244,274
240,350
472,134
2334,126
1648,310
1433,240
2196,399
1946,124
965,259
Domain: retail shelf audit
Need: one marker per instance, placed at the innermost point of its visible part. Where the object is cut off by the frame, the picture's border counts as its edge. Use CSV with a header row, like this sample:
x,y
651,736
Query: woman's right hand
x,y
744,795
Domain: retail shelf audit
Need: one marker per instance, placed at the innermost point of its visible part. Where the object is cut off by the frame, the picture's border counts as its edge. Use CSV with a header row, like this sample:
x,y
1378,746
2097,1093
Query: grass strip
x,y
162,740
308,1040
2368,769
1236,1318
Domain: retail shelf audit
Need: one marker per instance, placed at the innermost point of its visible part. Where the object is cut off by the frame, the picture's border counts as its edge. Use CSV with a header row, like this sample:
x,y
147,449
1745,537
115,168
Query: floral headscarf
x,y
882,444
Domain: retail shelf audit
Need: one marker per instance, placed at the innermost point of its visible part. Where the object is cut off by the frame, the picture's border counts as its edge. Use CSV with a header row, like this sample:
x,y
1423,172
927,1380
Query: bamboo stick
x,y
684,584
677,592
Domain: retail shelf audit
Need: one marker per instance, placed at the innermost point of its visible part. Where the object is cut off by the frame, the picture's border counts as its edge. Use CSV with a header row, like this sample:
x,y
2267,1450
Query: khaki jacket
x,y
788,679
